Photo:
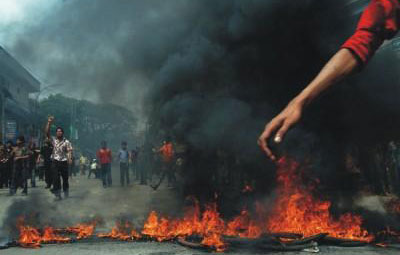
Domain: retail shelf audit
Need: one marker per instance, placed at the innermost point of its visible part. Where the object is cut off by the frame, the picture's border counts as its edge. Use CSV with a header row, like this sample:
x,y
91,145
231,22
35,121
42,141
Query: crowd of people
x,y
54,163
17,164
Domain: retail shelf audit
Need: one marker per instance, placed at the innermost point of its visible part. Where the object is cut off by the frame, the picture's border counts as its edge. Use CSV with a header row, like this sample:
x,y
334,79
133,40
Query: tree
x,y
92,122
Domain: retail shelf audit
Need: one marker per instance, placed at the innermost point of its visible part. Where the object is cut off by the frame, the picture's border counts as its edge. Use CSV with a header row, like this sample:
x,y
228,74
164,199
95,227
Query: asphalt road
x,y
154,248
88,199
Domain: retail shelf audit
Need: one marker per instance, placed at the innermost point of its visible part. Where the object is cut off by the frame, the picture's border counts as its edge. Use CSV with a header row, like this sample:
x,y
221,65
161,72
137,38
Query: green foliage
x,y
93,122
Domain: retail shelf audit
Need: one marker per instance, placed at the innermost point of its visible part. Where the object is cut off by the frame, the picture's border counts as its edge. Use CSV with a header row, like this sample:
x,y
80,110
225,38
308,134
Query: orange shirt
x,y
167,152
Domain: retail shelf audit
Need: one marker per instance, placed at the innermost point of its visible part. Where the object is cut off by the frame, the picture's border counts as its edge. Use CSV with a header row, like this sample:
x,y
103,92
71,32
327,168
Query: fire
x,y
29,237
212,228
190,224
50,236
83,230
243,226
209,225
297,211
124,232
157,228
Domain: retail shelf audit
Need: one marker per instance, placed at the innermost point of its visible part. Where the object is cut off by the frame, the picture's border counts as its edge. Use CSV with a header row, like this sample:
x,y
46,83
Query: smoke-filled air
x,y
180,127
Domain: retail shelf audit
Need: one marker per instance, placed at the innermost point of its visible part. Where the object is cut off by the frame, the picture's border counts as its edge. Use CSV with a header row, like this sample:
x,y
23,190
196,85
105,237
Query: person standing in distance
x,y
61,157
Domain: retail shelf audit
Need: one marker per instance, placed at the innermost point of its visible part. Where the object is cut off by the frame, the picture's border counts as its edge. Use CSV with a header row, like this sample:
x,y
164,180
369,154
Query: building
x,y
17,115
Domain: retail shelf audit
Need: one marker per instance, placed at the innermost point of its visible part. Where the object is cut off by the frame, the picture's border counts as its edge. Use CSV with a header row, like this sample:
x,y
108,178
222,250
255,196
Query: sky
x,y
15,18
40,35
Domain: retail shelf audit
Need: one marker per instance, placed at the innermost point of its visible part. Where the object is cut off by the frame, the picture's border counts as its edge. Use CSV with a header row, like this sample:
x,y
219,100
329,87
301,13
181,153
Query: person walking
x,y
61,157
9,163
3,164
104,156
45,155
134,162
123,157
31,164
82,164
93,169
19,174
167,154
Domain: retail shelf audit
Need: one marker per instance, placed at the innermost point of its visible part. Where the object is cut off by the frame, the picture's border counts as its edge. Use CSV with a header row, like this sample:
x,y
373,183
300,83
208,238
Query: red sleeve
x,y
378,22
98,154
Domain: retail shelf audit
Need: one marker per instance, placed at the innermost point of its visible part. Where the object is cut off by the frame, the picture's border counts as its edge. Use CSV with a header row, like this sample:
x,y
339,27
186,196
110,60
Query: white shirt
x,y
61,148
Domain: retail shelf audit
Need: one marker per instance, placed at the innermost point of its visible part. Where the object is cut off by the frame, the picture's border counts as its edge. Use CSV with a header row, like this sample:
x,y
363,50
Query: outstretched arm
x,y
377,23
48,125
341,65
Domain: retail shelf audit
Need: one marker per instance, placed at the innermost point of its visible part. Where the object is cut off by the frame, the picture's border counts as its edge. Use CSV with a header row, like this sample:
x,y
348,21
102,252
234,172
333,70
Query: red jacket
x,y
379,21
104,156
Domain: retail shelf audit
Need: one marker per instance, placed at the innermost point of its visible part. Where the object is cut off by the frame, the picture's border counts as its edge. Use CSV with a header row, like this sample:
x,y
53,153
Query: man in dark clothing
x,y
72,167
3,161
31,163
45,154
19,174
134,159
61,158
123,157
105,158
9,163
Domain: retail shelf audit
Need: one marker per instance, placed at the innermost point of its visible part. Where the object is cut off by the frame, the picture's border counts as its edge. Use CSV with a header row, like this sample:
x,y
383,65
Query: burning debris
x,y
298,221
125,232
297,211
30,237
83,230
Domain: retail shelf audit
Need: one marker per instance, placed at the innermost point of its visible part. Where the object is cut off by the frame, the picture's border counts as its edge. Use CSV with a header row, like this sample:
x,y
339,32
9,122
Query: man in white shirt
x,y
61,158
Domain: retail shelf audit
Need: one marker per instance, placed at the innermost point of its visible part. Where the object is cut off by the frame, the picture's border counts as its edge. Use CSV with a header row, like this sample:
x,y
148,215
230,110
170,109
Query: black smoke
x,y
242,63
210,74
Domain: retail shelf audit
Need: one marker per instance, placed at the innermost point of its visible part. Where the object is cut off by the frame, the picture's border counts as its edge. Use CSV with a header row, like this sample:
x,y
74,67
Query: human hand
x,y
50,119
280,124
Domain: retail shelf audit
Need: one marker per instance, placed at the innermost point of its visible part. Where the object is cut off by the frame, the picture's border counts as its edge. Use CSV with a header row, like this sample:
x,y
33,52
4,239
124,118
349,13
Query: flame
x,y
29,237
243,226
297,211
50,236
209,225
124,232
157,228
83,230
213,228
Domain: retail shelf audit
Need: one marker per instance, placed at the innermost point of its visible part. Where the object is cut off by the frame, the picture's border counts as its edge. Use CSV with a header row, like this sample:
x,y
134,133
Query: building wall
x,y
19,93
16,84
